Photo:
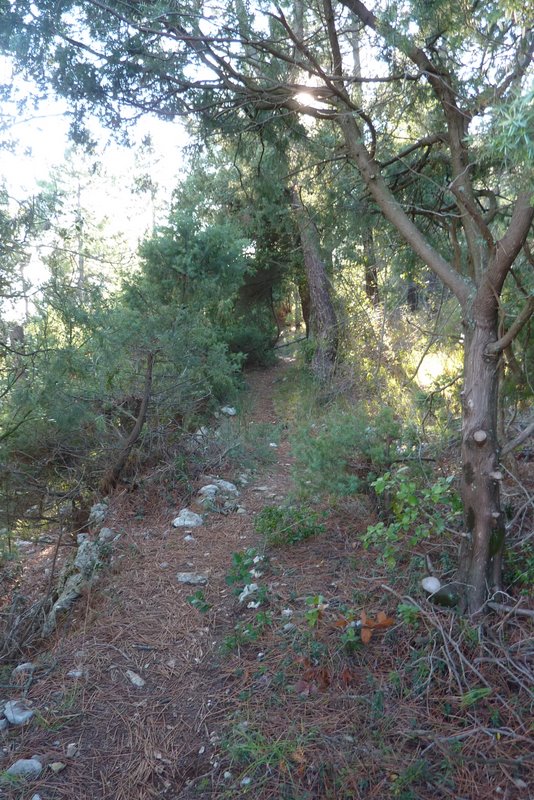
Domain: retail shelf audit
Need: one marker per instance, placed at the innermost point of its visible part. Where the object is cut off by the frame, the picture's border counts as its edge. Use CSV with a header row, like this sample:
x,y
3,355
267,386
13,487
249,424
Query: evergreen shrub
x,y
344,451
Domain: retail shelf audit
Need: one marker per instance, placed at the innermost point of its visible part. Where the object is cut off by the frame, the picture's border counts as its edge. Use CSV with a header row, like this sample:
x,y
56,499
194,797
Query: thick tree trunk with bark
x,y
490,262
481,551
304,298
323,320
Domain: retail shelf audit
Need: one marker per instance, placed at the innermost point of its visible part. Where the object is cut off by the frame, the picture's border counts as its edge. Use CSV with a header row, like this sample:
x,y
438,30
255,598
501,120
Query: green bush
x,y
344,451
416,514
287,525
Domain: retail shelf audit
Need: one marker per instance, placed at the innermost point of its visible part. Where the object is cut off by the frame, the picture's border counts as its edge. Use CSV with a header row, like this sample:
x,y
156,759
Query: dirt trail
x,y
157,740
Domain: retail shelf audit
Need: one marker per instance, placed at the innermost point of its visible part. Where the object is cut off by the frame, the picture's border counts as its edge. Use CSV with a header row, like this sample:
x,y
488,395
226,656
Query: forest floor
x,y
282,701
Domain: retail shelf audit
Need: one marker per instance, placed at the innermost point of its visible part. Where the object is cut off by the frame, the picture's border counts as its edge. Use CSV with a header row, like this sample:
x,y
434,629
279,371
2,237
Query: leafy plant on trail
x,y
417,513
283,525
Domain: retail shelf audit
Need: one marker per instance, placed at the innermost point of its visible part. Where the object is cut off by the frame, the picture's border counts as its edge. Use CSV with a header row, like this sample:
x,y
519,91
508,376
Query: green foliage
x,y
408,613
520,567
417,514
260,753
244,563
253,338
474,696
315,608
247,632
282,525
511,131
342,452
198,601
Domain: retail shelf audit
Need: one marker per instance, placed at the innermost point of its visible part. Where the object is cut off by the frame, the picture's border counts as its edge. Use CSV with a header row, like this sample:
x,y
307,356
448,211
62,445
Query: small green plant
x,y
315,610
261,753
408,613
473,696
247,632
417,513
413,774
287,525
246,565
198,601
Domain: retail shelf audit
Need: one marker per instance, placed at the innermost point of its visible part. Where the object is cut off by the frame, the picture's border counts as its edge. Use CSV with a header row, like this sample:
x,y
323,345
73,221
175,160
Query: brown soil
x,y
293,714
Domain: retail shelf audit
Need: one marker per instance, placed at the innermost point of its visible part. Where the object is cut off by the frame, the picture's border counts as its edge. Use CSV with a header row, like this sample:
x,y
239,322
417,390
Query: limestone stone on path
x,y
77,673
97,515
192,578
225,486
187,519
107,535
134,678
25,768
229,411
208,492
23,670
17,713
86,559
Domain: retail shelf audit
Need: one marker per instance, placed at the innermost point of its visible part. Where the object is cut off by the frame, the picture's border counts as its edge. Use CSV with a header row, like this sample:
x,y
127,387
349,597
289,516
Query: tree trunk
x,y
371,271
323,316
112,476
304,295
481,556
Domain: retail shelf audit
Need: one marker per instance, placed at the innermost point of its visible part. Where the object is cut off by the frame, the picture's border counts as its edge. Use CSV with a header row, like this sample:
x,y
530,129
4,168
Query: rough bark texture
x,y
482,549
322,314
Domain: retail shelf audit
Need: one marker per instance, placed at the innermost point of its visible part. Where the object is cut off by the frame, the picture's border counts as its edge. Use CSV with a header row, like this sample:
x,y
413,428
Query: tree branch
x,y
519,439
502,343
507,248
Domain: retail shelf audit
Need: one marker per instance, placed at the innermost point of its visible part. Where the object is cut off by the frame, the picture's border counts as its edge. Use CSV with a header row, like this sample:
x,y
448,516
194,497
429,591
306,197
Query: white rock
x,y
187,519
431,584
209,491
76,673
71,750
229,411
226,486
246,781
192,578
23,669
189,538
134,678
97,514
25,768
17,713
249,589
36,797
87,558
106,535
